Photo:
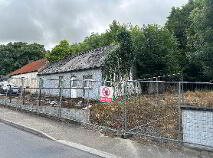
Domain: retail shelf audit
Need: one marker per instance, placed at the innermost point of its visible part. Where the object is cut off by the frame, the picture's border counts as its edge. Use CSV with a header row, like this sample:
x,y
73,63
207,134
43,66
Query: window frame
x,y
87,80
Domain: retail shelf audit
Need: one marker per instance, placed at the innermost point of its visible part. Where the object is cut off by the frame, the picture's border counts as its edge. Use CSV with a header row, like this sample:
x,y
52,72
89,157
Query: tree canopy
x,y
15,55
193,27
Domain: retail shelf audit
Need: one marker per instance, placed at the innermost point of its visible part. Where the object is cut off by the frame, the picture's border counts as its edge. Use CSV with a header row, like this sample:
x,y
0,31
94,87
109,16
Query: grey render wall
x,y
52,81
198,127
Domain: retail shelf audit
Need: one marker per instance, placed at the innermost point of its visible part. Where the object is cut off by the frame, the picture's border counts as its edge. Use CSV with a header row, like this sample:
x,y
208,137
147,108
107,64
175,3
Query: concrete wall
x,y
52,81
198,126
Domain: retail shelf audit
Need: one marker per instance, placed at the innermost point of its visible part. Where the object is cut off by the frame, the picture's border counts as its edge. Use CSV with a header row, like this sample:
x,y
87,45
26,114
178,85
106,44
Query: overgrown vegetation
x,y
156,115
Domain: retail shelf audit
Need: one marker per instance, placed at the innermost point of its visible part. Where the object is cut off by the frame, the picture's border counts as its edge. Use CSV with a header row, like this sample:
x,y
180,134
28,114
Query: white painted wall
x,y
198,127
30,80
52,81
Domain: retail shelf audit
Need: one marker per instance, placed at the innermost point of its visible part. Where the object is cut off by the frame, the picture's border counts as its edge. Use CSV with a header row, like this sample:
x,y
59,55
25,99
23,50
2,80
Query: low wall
x,y
197,126
78,115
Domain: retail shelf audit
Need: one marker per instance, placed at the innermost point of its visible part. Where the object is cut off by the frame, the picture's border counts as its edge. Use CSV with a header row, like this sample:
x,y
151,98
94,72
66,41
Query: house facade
x,y
26,76
77,76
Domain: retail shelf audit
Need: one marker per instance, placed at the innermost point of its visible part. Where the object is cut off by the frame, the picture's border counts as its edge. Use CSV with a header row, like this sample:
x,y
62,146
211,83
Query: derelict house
x,y
78,76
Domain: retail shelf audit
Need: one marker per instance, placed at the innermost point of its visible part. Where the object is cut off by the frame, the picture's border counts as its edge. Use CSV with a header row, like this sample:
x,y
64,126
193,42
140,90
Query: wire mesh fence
x,y
173,111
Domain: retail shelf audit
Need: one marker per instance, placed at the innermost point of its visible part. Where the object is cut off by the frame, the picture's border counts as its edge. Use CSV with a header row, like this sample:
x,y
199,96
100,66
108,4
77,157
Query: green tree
x,y
178,23
156,52
59,51
200,38
15,55
120,61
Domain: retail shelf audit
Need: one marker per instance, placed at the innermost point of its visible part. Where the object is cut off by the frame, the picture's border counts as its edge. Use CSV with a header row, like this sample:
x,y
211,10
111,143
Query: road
x,y
20,144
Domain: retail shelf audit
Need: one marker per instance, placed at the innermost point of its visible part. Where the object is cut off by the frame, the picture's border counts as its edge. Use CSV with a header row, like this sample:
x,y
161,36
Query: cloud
x,y
49,21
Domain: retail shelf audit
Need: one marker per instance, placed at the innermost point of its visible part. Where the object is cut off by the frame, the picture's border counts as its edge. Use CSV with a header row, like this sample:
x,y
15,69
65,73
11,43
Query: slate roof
x,y
31,67
85,60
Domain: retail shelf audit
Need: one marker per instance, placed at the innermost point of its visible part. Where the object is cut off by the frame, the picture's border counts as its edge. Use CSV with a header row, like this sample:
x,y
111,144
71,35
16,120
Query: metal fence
x,y
180,112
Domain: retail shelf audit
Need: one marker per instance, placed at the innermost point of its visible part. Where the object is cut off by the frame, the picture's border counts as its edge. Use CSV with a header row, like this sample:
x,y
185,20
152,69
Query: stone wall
x,y
197,126
78,115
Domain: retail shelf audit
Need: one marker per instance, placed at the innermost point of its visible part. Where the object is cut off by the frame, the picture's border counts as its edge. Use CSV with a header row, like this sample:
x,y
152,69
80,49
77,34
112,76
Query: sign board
x,y
106,94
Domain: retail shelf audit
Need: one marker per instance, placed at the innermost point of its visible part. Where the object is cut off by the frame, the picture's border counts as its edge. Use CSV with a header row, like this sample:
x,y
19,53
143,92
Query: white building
x,y
26,76
82,73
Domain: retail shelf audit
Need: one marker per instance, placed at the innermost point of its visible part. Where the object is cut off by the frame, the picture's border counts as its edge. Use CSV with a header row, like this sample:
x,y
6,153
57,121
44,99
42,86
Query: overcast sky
x,y
49,21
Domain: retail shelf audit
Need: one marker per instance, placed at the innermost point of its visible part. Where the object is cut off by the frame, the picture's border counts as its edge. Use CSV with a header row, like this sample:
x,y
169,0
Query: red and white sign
x,y
106,94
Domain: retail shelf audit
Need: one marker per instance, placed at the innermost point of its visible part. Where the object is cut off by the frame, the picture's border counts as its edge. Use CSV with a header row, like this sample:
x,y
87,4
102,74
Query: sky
x,y
49,21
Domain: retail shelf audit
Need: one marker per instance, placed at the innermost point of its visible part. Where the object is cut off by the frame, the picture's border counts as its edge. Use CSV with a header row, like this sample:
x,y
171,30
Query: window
x,y
87,80
41,83
60,81
73,82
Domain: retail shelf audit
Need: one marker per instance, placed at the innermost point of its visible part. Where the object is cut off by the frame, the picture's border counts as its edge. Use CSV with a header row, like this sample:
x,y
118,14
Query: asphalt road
x,y
15,143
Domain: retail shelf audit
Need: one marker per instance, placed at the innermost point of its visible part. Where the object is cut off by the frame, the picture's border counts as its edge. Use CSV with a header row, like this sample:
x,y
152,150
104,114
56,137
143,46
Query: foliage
x,y
156,52
193,27
200,37
15,55
143,52
59,51
94,41
178,23
119,62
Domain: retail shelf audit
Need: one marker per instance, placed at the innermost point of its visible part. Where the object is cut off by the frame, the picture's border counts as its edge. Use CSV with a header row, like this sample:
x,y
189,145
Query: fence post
x,y
22,86
40,86
182,90
179,93
60,95
125,111
83,86
157,86
70,87
23,96
10,89
181,102
60,101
